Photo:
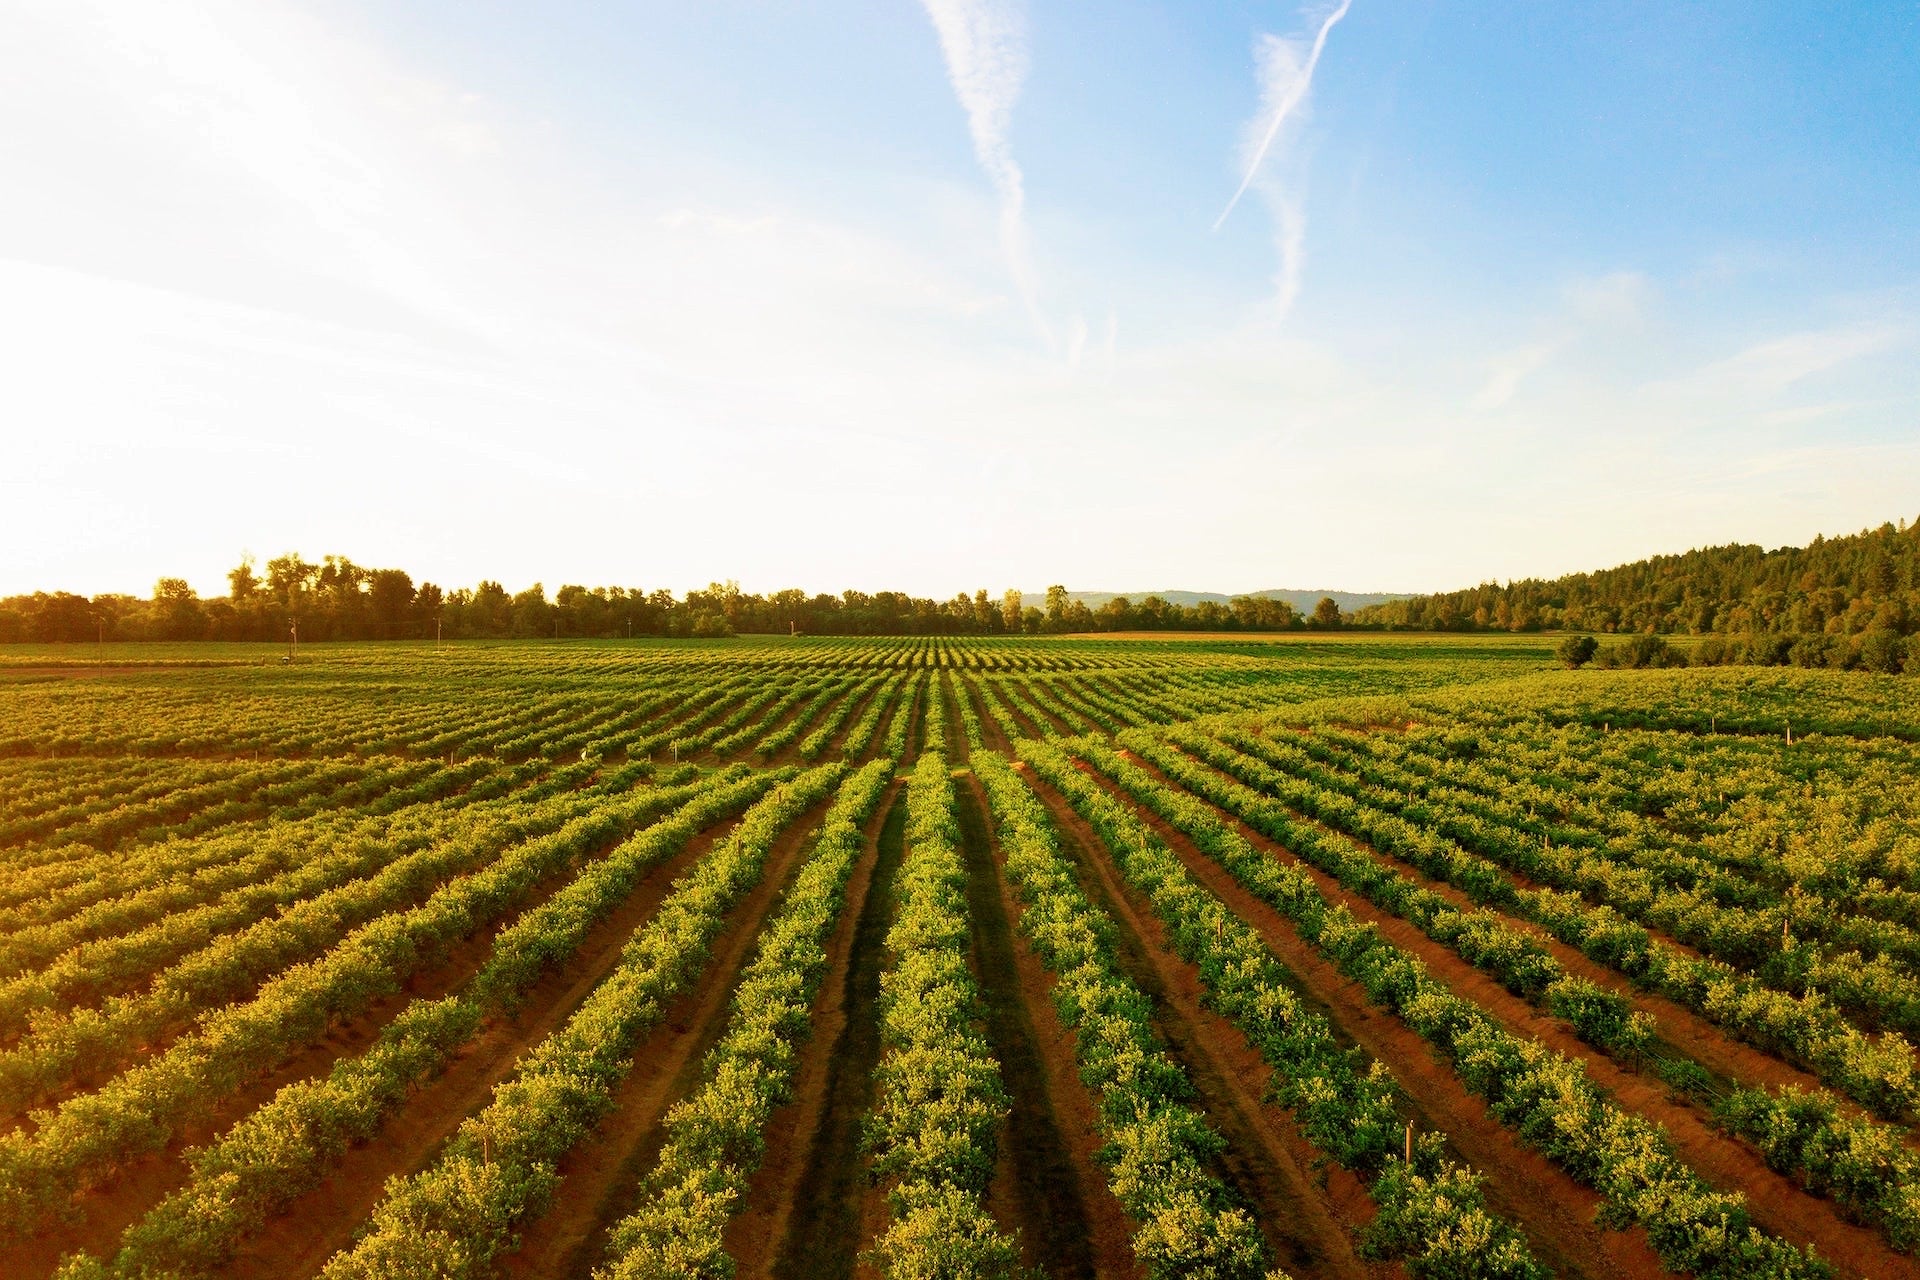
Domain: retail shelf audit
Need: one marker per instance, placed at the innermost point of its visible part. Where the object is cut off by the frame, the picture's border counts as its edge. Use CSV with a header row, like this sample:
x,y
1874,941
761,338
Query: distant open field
x,y
1336,955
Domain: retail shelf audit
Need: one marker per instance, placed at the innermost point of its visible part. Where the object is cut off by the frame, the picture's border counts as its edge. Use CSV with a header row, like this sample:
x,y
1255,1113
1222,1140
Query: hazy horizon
x,y
937,296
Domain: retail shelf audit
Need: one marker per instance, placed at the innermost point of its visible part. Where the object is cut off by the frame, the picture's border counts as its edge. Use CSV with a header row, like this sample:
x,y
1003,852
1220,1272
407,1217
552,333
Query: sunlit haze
x,y
1376,296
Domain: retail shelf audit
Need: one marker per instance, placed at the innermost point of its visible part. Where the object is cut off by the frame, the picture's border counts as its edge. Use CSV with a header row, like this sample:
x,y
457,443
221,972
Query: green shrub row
x,y
1159,1149
1433,1219
139,1110
933,725
1544,1097
1862,963
969,717
716,1136
1861,1164
1806,1030
938,1096
815,742
902,722
124,940
866,729
501,1167
773,743
99,1040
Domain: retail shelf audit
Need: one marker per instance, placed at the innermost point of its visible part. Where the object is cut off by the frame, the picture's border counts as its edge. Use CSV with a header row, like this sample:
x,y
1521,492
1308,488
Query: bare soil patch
x,y
323,1221
793,1131
836,1211
602,1174
1308,1209
1556,1213
1039,1189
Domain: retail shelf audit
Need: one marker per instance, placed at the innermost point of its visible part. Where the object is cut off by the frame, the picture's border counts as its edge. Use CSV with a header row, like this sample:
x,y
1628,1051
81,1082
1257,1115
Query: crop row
x,y
938,1094
1544,1097
864,693
1807,1030
286,1146
1863,1165
1736,914
228,965
715,1137
1432,1215
139,1110
454,1217
1159,1150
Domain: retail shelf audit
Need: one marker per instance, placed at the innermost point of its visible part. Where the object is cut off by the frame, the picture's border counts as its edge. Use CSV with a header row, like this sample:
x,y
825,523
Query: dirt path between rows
x,y
1022,722
1039,1189
1110,1230
323,1221
777,1186
991,731
1556,1213
812,1209
1308,1209
602,1174
105,1211
957,747
1775,1201
1684,1031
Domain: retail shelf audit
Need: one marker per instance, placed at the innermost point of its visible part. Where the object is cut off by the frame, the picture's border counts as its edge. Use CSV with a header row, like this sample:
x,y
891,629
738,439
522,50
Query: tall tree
x,y
1012,610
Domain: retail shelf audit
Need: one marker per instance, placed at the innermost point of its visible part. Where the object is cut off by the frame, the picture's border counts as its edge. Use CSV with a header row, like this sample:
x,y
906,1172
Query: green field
x,y
1352,955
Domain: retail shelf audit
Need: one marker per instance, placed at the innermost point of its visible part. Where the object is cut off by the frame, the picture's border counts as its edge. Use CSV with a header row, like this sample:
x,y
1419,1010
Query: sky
x,y
1373,295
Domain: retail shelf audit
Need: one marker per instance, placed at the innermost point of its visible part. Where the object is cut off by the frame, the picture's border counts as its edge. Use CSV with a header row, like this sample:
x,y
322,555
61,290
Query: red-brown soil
x,y
793,1130
602,1174
323,1221
1555,1212
1040,1189
1308,1209
1776,1202
822,1208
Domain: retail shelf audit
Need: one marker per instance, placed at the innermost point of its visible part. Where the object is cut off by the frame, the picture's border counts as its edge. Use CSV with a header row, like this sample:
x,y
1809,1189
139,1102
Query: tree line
x,y
336,599
1844,587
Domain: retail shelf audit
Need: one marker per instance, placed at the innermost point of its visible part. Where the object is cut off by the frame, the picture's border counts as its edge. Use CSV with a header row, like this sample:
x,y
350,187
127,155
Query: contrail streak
x,y
1295,93
985,45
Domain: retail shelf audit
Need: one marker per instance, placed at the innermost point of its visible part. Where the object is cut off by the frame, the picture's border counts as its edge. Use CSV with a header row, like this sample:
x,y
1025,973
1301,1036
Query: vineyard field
x,y
1313,955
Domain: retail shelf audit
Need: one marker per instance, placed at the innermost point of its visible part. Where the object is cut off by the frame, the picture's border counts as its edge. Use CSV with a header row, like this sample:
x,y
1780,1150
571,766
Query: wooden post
x,y
1409,1144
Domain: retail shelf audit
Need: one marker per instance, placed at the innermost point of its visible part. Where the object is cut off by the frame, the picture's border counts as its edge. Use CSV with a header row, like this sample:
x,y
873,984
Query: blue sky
x,y
932,296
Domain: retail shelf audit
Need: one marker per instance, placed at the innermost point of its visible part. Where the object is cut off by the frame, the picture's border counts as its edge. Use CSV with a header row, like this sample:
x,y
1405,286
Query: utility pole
x,y
293,638
436,631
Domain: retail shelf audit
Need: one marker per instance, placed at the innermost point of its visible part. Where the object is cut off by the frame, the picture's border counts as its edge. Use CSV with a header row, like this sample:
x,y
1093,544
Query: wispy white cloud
x,y
1507,370
1285,79
1590,306
985,46
1619,299
265,281
1285,67
1770,367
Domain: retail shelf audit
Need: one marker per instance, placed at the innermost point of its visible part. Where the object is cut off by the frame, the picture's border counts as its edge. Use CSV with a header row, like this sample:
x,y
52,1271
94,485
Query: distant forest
x,y
1835,586
339,600
1836,602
